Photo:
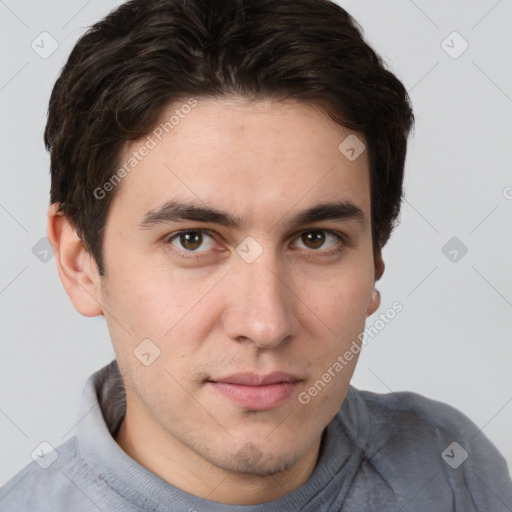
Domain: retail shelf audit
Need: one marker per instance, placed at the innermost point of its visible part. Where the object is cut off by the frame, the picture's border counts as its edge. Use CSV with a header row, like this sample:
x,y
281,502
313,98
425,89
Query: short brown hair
x,y
147,54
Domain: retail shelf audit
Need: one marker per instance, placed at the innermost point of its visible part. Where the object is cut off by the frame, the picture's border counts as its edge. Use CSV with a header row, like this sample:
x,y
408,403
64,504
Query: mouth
x,y
256,392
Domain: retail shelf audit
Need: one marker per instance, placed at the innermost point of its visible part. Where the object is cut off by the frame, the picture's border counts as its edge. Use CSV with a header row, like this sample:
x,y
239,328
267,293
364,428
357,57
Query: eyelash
x,y
196,255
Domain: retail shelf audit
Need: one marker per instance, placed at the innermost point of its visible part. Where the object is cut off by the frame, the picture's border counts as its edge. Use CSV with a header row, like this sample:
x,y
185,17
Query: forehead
x,y
253,159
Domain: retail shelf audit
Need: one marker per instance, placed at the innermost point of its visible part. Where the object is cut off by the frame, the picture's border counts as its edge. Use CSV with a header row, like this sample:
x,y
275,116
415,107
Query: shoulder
x,y
48,483
408,438
407,417
412,409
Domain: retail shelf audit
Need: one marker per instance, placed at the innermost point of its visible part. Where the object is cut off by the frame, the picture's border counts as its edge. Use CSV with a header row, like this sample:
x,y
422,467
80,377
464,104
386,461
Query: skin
x,y
211,314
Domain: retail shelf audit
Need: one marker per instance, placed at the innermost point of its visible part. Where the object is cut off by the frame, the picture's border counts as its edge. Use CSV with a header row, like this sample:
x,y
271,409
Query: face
x,y
240,249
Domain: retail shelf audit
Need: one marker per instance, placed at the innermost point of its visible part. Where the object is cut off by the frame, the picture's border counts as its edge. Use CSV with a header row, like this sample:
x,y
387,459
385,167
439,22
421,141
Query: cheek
x,y
342,301
153,303
340,310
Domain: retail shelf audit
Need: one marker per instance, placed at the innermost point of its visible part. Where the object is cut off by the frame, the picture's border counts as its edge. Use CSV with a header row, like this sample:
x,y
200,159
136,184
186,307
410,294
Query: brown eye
x,y
313,239
191,241
321,241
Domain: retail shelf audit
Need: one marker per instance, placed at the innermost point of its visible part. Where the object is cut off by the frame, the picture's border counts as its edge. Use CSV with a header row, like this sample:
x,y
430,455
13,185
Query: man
x,y
225,174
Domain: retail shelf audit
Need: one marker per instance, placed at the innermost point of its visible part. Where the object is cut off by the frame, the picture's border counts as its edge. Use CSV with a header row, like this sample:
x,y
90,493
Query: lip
x,y
253,379
256,392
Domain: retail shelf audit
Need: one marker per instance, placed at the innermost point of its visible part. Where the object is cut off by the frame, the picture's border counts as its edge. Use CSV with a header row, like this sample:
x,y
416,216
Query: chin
x,y
251,460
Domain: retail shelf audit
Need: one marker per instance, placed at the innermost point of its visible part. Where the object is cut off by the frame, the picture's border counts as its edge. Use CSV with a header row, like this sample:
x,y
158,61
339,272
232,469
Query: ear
x,y
76,267
374,303
379,266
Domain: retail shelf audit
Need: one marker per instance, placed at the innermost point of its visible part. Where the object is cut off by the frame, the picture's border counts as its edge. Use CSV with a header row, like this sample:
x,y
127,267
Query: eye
x,y
319,238
192,240
200,241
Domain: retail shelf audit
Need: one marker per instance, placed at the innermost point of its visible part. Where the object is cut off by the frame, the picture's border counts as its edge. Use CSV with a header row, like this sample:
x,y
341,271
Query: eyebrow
x,y
177,211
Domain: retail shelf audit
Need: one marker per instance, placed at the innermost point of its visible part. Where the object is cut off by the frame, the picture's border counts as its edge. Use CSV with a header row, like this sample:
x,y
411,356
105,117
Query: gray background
x,y
451,342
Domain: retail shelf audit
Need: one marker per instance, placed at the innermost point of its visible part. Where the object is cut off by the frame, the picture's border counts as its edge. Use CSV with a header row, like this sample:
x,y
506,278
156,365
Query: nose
x,y
262,305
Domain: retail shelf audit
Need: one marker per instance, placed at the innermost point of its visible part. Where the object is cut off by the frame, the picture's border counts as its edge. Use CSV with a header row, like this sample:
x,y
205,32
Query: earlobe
x,y
75,265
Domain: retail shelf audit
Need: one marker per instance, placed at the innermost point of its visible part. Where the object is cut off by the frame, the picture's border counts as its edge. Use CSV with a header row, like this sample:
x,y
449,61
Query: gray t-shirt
x,y
382,453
